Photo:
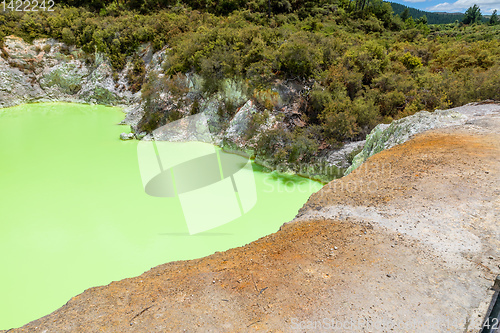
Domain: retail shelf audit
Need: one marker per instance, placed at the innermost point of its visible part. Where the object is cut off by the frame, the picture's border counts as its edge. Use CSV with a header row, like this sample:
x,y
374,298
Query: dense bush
x,y
361,65
291,148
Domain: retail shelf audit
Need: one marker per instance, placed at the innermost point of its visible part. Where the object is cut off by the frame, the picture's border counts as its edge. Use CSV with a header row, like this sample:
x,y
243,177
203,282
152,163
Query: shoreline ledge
x,y
409,241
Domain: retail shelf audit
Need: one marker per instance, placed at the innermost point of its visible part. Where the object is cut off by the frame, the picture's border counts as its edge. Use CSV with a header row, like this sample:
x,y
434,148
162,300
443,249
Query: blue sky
x,y
487,6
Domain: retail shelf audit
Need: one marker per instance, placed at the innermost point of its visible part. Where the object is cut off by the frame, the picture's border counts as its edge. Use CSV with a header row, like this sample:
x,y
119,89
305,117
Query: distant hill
x,y
432,18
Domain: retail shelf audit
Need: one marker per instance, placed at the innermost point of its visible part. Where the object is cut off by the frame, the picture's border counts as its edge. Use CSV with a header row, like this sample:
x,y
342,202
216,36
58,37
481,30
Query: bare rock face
x,y
64,78
236,135
16,82
241,121
340,157
99,87
50,71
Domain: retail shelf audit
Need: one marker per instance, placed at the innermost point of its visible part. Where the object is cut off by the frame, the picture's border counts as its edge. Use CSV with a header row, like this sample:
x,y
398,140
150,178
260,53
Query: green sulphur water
x,y
74,214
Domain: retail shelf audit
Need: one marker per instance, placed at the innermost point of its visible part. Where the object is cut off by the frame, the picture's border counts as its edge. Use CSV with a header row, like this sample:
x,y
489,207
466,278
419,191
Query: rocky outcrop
x,y
127,136
47,71
240,136
386,136
341,158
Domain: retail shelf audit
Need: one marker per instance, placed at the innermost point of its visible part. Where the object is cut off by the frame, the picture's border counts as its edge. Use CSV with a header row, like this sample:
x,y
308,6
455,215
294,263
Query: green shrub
x,y
369,59
410,61
68,37
298,57
339,121
367,113
303,147
289,149
46,48
391,103
318,100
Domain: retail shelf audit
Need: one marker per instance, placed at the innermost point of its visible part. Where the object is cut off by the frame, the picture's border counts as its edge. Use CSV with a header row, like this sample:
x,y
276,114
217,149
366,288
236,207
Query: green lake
x,y
74,213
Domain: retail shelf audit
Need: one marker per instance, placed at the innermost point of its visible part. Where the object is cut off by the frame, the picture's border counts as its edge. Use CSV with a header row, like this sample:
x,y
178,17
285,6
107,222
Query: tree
x,y
422,20
361,4
494,18
405,14
472,15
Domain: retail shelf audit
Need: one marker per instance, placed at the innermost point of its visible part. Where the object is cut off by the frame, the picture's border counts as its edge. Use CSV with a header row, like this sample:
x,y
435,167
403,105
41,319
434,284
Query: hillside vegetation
x,y
361,64
432,18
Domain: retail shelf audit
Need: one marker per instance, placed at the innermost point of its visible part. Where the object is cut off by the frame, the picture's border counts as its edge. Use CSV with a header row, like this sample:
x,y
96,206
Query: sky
x,y
487,6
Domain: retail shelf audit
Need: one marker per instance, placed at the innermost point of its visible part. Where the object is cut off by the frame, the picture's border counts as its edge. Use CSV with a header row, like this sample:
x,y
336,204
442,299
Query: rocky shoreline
x,y
50,71
409,241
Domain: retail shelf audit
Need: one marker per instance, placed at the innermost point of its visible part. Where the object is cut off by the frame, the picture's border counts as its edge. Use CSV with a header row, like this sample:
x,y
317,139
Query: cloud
x,y
487,6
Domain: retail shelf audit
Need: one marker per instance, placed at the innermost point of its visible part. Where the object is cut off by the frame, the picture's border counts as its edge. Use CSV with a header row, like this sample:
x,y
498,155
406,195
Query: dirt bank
x,y
408,242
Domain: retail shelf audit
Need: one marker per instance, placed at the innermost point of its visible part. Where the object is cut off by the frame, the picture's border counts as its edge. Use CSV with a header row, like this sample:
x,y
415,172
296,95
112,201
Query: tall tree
x,y
422,20
472,15
361,4
494,18
405,14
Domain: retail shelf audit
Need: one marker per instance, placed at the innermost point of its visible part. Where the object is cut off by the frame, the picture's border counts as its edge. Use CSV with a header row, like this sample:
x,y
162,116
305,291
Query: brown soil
x,y
410,242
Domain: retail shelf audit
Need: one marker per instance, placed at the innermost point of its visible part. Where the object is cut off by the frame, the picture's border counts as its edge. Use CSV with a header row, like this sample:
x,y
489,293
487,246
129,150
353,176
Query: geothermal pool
x,y
74,213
